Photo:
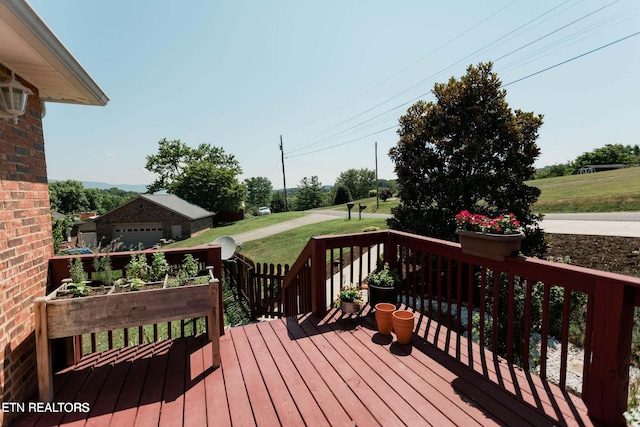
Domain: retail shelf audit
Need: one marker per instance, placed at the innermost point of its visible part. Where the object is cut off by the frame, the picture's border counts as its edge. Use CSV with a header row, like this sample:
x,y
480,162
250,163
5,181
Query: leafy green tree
x,y
68,196
309,194
358,181
277,202
342,195
259,190
467,150
552,171
607,155
205,176
61,228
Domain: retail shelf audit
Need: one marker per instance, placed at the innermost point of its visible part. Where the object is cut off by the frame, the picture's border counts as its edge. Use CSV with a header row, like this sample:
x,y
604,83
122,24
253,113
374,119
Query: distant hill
x,y
105,186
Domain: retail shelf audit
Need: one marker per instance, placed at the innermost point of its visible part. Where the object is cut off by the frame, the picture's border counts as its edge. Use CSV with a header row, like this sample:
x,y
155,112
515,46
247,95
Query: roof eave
x,y
50,51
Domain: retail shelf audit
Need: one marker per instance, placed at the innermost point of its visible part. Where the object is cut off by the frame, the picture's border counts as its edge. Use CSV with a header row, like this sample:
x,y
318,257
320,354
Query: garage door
x,y
132,234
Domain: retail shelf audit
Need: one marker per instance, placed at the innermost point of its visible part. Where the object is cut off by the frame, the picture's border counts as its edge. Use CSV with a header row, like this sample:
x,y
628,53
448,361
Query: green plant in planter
x,y
79,289
383,285
138,267
349,293
103,269
383,277
188,269
159,266
76,271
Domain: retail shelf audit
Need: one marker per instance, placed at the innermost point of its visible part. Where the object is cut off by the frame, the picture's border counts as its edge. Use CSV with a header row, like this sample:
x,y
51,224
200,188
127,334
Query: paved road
x,y
626,224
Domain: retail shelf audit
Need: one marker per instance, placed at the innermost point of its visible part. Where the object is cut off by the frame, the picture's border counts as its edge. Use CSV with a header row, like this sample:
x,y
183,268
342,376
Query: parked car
x,y
263,210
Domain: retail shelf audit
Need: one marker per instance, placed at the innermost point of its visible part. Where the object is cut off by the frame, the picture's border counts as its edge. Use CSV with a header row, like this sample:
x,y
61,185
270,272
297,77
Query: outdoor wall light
x,y
13,99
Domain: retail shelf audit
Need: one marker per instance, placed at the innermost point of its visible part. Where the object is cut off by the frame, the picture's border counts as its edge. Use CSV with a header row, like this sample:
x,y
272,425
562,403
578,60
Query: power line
x,y
396,74
421,82
504,85
572,59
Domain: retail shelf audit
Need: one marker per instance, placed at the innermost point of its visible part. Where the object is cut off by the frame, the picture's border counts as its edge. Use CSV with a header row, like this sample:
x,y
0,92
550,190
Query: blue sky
x,y
329,76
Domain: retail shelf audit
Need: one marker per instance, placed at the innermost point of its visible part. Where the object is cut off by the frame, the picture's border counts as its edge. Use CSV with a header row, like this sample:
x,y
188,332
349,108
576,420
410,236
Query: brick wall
x,y
26,245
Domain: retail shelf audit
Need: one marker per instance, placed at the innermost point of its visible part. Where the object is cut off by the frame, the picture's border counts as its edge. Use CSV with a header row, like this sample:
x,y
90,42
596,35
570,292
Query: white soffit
x,y
30,49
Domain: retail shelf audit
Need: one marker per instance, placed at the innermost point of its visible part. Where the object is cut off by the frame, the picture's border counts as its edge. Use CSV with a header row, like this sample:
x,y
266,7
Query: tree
x,y
467,150
259,191
358,181
309,194
68,197
205,176
607,155
342,195
277,202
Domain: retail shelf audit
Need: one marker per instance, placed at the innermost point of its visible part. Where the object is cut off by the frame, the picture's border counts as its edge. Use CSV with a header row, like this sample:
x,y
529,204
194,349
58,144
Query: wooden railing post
x,y
43,352
607,387
214,319
319,277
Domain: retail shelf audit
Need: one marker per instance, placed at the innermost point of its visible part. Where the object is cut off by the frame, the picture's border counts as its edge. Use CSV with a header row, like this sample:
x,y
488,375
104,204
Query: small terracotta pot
x,y
384,312
403,325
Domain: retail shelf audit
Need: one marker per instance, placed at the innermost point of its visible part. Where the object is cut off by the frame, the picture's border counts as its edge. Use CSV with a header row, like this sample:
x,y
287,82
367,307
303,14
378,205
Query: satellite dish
x,y
228,246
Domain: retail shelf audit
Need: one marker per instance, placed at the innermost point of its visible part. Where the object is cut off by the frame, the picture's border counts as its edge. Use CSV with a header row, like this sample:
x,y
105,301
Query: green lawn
x,y
284,248
610,191
370,203
236,228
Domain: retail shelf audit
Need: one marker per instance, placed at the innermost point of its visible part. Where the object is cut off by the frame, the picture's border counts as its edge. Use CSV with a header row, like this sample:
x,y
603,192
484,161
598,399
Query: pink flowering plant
x,y
503,224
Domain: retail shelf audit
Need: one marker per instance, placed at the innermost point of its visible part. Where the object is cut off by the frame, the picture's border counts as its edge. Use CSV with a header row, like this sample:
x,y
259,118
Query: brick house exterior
x,y
164,213
26,245
26,241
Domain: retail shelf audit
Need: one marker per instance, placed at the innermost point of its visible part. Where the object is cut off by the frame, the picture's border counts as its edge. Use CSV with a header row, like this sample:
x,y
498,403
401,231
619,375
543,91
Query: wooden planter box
x,y
60,318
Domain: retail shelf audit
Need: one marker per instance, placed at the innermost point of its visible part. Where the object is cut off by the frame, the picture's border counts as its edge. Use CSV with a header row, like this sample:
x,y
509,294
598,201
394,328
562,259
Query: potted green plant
x,y
349,299
492,238
383,285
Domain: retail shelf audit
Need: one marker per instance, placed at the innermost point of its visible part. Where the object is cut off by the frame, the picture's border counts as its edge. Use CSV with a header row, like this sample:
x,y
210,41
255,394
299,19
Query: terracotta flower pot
x,y
403,325
384,312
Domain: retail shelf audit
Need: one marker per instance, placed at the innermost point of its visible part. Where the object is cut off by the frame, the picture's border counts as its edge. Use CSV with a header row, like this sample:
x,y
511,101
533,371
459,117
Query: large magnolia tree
x,y
467,150
205,176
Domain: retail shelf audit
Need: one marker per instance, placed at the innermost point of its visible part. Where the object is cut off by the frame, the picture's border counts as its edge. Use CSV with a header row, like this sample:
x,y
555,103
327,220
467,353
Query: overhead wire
x,y
404,69
290,154
504,85
452,66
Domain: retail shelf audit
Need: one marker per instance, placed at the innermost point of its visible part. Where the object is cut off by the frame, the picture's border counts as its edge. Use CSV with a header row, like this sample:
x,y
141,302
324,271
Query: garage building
x,y
151,217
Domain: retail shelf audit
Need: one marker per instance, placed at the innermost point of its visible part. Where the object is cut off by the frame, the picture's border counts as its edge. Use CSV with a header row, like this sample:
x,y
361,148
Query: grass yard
x,y
370,203
284,248
611,191
235,228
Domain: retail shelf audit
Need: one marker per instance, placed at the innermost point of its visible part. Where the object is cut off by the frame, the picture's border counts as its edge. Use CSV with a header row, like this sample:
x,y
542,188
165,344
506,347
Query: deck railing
x,y
508,306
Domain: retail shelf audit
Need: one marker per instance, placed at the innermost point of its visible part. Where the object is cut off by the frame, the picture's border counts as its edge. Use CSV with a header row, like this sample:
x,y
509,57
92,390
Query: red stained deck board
x,y
314,378
293,378
261,404
216,404
411,407
127,406
428,384
283,402
104,406
235,389
356,410
195,404
151,396
359,389
172,411
333,370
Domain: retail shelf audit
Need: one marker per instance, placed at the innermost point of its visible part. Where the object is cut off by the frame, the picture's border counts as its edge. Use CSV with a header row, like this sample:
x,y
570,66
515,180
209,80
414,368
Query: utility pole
x,y
377,183
284,179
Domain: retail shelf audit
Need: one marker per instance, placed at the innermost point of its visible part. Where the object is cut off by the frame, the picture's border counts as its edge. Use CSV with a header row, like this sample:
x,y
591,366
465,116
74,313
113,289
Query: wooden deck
x,y
307,371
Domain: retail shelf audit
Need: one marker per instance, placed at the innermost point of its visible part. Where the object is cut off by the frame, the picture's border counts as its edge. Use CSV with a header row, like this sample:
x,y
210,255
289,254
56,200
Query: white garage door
x,y
131,234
